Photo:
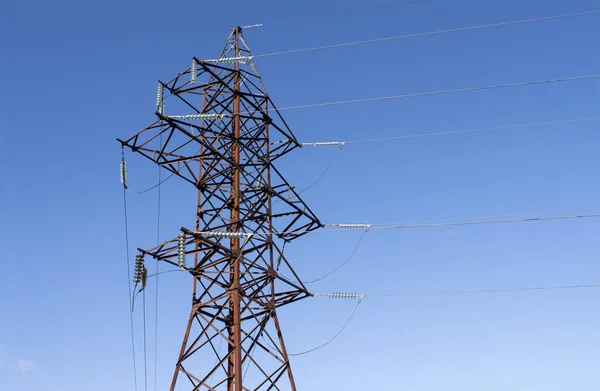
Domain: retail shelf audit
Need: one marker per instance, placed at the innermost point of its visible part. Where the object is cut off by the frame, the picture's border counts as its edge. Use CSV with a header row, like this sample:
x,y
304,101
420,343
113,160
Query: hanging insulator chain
x,y
124,173
160,104
144,278
181,251
193,72
139,269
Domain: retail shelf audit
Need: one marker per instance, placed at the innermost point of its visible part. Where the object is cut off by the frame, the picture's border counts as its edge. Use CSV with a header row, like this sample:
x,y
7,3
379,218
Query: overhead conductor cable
x,y
415,35
402,96
340,295
123,175
359,297
341,145
454,132
440,92
341,264
451,222
130,293
429,93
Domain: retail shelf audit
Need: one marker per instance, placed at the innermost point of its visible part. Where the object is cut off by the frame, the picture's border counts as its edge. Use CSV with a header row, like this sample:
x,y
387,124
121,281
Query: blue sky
x,y
76,75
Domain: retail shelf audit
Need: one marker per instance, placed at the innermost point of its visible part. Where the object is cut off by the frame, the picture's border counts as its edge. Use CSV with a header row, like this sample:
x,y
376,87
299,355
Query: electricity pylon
x,y
224,142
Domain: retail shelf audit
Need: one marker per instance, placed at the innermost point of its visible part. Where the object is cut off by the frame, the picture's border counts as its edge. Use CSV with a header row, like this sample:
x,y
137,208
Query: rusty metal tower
x,y
220,131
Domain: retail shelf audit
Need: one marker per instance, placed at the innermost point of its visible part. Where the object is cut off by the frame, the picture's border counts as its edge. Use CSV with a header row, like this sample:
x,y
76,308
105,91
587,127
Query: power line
x,y
334,337
167,272
412,95
429,33
360,297
322,173
323,14
341,144
157,274
129,298
327,167
494,216
441,293
431,93
452,132
448,223
374,226
343,263
369,226
158,197
152,187
145,355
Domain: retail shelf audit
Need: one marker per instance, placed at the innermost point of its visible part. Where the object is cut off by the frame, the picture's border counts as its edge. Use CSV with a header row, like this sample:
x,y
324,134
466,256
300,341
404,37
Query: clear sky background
x,y
74,75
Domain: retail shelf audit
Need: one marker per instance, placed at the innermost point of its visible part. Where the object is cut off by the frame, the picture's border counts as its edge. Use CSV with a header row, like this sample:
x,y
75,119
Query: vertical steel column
x,y
235,335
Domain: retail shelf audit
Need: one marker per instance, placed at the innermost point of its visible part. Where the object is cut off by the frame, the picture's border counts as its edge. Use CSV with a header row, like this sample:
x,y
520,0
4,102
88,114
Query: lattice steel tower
x,y
222,135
